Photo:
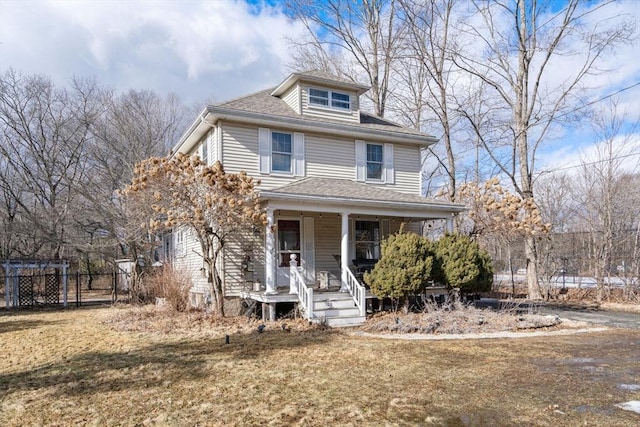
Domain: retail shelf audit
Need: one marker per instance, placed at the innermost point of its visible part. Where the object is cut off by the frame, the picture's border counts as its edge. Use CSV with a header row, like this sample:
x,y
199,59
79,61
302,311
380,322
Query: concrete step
x,y
331,313
331,296
333,303
344,322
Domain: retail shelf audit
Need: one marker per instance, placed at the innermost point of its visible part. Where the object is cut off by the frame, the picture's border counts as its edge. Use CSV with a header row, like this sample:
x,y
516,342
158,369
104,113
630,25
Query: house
x,y
334,180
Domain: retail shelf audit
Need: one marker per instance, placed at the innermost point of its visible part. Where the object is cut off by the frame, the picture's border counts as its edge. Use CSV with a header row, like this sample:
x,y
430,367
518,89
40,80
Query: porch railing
x,y
358,292
298,286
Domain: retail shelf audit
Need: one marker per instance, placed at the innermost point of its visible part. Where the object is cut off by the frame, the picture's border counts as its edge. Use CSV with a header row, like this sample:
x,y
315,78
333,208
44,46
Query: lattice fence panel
x,y
51,289
25,291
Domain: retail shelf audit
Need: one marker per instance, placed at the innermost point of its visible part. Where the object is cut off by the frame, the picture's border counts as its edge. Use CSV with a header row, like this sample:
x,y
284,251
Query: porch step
x,y
332,300
345,322
336,309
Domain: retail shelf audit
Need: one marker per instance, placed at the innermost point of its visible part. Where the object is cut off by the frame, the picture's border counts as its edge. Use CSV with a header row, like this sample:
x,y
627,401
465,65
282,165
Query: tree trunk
x,y
531,255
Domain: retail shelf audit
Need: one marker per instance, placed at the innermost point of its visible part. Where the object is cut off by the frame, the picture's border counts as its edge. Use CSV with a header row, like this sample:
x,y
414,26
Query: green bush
x,y
405,267
464,265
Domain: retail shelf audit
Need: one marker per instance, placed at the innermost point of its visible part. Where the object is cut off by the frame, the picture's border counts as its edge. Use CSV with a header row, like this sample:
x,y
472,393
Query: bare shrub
x,y
456,317
170,284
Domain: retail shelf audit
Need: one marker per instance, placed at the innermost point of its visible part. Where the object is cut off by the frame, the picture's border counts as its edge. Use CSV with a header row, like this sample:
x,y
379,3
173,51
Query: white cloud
x,y
197,49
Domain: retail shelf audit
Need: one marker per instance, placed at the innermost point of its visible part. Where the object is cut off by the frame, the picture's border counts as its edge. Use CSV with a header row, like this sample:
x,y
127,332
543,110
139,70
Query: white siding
x,y
327,240
352,116
406,162
330,157
191,262
212,136
239,271
292,98
324,156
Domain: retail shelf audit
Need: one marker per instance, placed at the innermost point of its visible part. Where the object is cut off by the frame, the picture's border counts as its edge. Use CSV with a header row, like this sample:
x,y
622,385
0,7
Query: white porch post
x,y
293,265
450,224
344,252
269,254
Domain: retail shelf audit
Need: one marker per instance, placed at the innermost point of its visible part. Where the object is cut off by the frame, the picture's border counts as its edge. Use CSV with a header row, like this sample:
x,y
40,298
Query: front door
x,y
295,237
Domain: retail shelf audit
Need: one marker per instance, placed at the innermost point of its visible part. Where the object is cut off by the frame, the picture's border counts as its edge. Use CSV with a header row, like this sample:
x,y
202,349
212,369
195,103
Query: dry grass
x,y
98,367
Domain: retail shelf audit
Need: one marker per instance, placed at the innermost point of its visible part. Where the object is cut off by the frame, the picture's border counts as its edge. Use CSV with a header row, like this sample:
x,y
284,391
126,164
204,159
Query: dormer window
x,y
328,98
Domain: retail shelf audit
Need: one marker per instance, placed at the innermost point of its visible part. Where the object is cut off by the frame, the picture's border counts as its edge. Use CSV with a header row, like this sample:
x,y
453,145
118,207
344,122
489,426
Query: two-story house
x,y
334,181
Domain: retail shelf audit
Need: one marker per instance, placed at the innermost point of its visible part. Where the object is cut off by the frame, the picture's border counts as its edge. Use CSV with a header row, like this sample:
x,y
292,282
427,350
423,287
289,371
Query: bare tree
x,y
213,204
366,30
44,133
609,196
511,54
496,215
429,75
134,126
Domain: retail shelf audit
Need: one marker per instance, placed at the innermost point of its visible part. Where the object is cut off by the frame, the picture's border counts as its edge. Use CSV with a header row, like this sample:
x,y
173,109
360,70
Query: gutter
x,y
269,195
323,127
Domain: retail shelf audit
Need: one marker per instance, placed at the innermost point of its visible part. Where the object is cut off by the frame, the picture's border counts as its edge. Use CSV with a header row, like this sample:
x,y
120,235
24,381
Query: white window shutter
x,y
389,173
264,149
298,154
361,161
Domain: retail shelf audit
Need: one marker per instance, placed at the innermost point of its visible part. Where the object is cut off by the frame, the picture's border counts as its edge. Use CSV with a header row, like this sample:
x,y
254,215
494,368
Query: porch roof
x,y
317,193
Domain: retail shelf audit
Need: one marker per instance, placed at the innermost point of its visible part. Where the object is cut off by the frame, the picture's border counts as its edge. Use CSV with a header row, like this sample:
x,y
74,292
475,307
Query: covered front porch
x,y
323,234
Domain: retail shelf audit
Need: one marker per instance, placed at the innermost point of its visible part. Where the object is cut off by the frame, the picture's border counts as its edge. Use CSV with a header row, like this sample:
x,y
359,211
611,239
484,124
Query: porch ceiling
x,y
346,196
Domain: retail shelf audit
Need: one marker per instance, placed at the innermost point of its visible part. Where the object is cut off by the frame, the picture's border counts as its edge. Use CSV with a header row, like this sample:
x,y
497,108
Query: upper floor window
x,y
374,162
281,152
328,98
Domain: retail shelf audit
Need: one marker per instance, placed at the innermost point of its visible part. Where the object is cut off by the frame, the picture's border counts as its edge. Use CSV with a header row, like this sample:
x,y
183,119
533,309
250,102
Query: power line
x,y
595,162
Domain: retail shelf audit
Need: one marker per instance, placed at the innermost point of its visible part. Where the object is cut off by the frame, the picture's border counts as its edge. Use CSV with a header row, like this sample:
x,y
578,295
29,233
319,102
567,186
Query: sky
x,y
201,50
212,50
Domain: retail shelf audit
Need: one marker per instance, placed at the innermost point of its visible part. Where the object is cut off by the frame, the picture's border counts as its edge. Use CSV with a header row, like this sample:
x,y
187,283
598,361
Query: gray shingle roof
x,y
347,190
264,103
318,74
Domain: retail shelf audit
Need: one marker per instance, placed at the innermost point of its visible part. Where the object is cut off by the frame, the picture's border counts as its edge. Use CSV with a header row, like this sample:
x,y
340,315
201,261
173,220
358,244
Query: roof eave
x,y
442,207
217,113
294,77
187,140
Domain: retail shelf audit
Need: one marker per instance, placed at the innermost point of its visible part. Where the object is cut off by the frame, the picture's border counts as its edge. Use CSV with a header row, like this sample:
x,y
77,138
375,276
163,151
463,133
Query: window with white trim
x,y
374,162
281,152
329,98
204,152
367,239
180,243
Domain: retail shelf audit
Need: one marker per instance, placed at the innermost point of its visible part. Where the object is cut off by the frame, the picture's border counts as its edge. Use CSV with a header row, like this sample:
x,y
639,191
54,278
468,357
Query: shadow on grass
x,y
21,325
48,309
151,366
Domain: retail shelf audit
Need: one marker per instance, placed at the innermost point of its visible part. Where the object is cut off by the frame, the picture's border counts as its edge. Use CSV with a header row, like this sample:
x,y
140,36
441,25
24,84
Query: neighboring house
x,y
334,180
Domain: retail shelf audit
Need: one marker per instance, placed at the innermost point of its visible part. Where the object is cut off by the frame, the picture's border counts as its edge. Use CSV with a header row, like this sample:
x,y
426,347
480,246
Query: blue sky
x,y
206,51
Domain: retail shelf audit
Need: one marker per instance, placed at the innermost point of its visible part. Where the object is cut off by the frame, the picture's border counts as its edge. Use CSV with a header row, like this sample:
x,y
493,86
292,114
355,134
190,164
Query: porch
x,y
329,230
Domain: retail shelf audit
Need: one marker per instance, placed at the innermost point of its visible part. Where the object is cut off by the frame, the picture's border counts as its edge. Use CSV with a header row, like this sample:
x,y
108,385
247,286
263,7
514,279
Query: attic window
x,y
331,99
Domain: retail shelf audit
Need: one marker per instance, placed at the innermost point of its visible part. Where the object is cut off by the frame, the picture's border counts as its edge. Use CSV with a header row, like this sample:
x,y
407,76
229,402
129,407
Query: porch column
x,y
344,252
450,224
269,255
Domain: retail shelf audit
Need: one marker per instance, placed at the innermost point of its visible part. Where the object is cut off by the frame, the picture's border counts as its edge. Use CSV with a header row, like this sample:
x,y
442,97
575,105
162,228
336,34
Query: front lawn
x,y
74,367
